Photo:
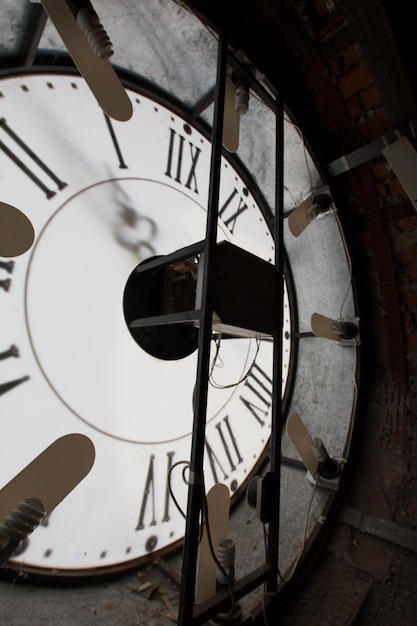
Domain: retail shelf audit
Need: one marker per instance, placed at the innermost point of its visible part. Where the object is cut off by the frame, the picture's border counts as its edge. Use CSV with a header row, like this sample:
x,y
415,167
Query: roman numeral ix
x,y
182,163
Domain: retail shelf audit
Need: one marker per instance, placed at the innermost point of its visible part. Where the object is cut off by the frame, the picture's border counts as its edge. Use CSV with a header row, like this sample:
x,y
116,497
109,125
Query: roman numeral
x,y
149,499
34,159
8,266
181,164
5,387
13,351
229,448
260,384
116,145
231,209
5,284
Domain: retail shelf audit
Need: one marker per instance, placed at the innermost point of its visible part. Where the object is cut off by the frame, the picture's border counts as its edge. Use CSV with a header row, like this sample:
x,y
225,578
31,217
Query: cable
x,y
171,492
304,541
305,152
216,356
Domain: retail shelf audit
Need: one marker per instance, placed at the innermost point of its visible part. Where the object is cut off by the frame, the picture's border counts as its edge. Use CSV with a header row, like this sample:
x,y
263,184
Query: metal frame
x,y
268,573
190,615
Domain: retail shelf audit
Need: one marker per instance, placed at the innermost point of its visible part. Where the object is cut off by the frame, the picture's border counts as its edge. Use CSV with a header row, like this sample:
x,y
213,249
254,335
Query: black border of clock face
x,y
40,575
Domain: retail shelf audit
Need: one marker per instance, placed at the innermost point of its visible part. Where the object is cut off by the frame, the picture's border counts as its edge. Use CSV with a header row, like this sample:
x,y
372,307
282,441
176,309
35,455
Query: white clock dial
x,y
103,197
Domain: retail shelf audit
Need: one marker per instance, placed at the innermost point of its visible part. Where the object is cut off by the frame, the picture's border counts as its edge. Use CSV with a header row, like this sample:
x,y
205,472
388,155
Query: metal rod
x,y
196,486
276,419
183,253
171,318
221,601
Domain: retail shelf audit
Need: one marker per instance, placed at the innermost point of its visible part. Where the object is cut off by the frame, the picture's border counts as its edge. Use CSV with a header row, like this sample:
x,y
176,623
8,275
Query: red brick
x,y
411,341
320,6
371,98
351,54
381,170
409,223
406,255
403,240
409,320
412,273
383,190
354,106
356,80
397,188
341,63
378,124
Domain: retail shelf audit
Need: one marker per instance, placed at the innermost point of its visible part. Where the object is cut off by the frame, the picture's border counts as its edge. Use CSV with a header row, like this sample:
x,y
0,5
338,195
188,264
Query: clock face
x,y
102,197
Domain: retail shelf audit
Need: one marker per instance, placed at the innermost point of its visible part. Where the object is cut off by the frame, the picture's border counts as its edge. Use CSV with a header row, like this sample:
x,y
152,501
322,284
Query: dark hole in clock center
x,y
164,290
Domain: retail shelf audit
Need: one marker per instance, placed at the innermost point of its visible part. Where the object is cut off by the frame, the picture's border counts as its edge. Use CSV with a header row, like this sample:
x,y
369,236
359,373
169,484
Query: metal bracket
x,y
371,151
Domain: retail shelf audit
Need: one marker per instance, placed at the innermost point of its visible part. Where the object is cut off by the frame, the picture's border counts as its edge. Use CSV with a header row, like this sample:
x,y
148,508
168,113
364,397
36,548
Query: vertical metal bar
x,y
276,427
196,487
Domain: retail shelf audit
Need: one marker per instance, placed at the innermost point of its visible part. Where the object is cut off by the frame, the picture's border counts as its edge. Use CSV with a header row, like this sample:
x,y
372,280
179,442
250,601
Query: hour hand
x,y
40,487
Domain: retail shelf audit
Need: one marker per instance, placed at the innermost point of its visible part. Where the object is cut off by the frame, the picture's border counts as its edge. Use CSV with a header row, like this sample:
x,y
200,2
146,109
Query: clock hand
x,y
136,232
40,487
16,231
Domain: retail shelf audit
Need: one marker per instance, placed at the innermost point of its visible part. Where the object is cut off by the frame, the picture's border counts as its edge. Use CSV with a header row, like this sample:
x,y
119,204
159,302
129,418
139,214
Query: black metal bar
x,y
196,483
277,418
203,103
295,463
184,253
171,318
221,601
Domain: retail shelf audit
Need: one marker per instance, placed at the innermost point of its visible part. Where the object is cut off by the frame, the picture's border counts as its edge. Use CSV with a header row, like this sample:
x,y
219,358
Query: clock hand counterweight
x,y
17,526
40,487
16,232
97,72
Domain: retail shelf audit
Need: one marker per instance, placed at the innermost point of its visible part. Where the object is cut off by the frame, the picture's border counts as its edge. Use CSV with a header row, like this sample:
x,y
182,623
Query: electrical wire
x,y
304,541
204,523
171,492
217,356
305,151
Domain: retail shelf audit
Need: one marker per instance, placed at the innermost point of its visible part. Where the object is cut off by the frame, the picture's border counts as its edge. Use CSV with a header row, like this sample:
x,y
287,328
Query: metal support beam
x,y
384,529
371,151
196,482
276,418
